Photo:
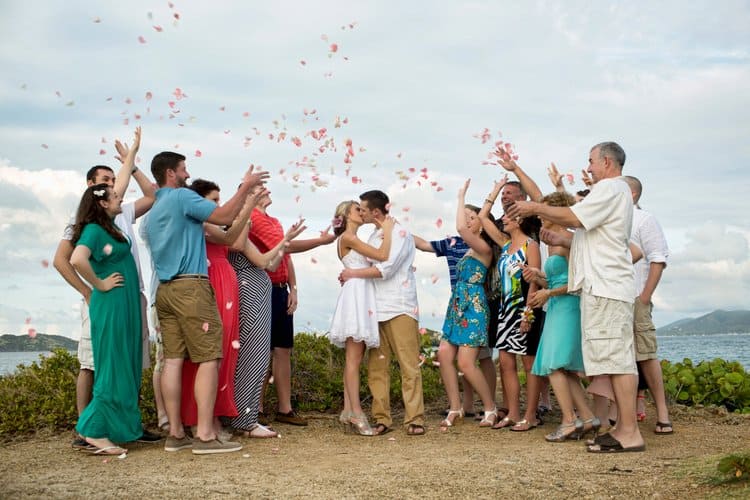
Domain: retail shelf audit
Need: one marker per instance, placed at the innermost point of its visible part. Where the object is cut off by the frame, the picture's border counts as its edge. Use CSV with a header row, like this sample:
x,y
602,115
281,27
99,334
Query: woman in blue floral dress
x,y
467,317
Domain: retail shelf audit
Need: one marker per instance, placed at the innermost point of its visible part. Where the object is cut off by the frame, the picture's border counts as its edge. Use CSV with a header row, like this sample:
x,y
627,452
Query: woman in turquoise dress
x,y
467,317
559,354
102,257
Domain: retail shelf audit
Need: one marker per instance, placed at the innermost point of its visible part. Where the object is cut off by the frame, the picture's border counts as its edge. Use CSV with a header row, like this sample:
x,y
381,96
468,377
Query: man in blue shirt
x,y
185,304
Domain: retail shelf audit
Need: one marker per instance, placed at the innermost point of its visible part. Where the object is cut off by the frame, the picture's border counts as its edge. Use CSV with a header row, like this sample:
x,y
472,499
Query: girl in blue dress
x,y
467,317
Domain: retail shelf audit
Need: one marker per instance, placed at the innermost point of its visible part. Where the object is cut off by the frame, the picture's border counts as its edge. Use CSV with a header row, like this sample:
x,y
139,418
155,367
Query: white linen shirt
x,y
649,237
600,260
396,290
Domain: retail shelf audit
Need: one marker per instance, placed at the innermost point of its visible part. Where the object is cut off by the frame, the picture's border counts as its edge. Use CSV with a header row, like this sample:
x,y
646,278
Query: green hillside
x,y
42,342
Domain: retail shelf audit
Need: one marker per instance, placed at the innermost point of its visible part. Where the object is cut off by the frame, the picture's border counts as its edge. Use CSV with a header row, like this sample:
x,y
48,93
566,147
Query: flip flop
x,y
107,450
381,429
615,448
415,430
505,422
661,425
524,425
82,444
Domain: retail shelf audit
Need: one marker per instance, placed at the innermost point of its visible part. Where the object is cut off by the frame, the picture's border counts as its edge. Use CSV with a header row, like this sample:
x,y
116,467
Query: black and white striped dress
x,y
255,339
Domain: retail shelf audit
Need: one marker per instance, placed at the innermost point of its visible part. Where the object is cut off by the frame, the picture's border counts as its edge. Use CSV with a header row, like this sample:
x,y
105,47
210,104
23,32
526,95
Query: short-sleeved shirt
x,y
124,221
174,230
649,237
600,259
453,249
266,232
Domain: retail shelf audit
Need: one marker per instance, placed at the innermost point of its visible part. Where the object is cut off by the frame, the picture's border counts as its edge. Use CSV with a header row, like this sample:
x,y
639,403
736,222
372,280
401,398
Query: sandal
x,y
260,431
381,429
640,414
415,430
490,418
660,426
524,425
448,422
506,422
561,435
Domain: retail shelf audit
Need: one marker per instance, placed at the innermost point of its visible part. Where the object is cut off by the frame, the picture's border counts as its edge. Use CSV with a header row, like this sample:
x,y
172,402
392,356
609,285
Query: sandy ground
x,y
321,461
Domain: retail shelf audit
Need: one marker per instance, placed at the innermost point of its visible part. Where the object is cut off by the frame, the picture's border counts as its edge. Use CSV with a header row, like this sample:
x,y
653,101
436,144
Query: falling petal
x,y
313,260
141,39
229,305
45,263
205,327
334,47
97,20
158,28
303,62
107,249
44,146
198,153
402,233
235,344
423,331
439,223
32,333
434,278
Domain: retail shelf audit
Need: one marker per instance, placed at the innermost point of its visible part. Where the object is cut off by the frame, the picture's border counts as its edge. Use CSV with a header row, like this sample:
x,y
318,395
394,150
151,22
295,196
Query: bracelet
x,y
491,202
134,170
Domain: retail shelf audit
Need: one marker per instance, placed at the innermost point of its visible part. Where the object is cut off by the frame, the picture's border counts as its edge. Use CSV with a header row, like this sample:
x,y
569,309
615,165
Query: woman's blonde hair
x,y
341,216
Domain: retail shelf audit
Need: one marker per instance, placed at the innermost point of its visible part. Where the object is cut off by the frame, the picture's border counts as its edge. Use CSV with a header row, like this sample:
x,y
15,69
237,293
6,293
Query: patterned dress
x,y
255,339
468,315
512,301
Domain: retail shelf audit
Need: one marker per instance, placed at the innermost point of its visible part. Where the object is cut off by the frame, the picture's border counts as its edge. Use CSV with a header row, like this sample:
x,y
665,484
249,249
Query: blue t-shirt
x,y
453,249
175,232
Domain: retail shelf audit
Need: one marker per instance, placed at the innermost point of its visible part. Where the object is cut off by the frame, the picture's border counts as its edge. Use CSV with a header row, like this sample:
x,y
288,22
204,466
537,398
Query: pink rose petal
x,y
205,327
235,344
107,249
32,333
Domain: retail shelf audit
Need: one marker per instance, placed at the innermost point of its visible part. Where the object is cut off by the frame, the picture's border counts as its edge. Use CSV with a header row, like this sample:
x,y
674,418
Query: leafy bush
x,y
717,382
736,466
41,395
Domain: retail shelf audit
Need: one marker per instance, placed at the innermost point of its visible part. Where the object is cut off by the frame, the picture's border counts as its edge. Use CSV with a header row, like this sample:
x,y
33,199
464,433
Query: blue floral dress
x,y
467,316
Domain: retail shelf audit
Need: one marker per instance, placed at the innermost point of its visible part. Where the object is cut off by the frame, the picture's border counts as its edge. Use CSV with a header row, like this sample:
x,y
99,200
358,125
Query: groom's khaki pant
x,y
399,336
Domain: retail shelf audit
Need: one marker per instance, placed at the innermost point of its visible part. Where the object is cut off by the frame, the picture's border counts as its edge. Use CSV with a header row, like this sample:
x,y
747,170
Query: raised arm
x,y
563,216
556,178
509,164
216,234
269,260
225,214
474,240
490,228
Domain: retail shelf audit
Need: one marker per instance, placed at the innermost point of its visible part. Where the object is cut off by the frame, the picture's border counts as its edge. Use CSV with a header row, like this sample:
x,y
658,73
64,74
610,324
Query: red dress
x,y
224,281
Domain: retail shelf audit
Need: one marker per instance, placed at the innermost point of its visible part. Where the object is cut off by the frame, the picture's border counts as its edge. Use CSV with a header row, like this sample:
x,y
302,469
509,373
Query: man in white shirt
x,y
397,312
649,237
601,271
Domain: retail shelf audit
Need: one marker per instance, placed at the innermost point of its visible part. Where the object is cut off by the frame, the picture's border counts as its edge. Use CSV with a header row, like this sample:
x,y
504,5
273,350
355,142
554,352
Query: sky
x,y
413,85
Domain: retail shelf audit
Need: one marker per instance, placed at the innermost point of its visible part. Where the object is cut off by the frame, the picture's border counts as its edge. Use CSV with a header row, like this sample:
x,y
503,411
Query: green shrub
x,y
40,396
735,466
717,382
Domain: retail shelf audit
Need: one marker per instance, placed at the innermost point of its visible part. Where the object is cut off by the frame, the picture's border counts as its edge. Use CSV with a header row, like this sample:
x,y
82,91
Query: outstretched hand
x,y
295,230
123,149
464,188
253,178
586,178
505,160
327,236
555,177
521,209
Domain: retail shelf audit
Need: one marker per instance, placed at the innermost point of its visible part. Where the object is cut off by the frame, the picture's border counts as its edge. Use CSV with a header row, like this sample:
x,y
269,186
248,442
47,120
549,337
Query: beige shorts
x,y
189,320
644,331
607,336
484,353
85,349
159,358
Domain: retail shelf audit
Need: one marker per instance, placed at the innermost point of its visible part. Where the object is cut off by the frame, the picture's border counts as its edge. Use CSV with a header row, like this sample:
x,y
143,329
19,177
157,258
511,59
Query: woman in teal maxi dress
x,y
102,257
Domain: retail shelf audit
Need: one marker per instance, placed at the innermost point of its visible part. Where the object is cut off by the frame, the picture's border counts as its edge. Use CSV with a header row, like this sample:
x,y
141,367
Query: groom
x,y
396,300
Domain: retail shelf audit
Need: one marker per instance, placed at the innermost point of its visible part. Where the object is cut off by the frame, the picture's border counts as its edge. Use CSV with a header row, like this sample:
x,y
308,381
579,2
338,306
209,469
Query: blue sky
x,y
411,83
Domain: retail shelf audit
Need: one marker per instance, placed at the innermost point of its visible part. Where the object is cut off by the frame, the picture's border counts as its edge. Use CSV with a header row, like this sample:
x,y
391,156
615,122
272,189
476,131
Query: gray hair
x,y
611,150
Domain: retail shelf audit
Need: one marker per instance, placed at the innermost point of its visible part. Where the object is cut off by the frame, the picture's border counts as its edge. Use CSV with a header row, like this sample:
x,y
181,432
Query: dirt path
x,y
321,461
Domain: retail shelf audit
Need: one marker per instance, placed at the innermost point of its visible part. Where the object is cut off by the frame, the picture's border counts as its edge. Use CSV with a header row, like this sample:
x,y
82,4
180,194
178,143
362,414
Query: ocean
x,y
728,346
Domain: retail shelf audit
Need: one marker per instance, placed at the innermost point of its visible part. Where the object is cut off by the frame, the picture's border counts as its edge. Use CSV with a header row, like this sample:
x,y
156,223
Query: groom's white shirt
x,y
396,291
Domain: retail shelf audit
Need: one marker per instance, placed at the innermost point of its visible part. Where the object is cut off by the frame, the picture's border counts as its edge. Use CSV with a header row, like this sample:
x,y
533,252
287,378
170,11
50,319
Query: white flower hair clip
x,y
99,192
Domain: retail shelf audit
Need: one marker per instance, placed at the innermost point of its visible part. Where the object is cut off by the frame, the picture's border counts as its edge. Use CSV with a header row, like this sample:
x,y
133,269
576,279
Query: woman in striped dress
x,y
255,326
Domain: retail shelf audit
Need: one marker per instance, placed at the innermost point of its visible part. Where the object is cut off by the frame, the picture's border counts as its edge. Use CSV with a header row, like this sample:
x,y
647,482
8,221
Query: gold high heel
x,y
360,425
448,422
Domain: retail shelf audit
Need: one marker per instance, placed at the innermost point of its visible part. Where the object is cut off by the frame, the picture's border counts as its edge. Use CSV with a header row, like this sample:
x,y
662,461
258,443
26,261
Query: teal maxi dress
x,y
116,341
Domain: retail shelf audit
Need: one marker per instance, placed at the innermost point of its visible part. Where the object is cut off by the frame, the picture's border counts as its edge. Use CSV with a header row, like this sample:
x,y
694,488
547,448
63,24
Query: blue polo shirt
x,y
452,253
174,229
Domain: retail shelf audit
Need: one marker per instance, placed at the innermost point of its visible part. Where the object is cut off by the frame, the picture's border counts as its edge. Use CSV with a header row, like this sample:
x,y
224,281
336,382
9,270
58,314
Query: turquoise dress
x,y
116,341
467,316
560,345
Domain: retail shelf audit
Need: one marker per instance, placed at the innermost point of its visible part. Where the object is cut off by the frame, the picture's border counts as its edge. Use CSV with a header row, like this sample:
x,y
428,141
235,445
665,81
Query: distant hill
x,y
42,342
714,322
